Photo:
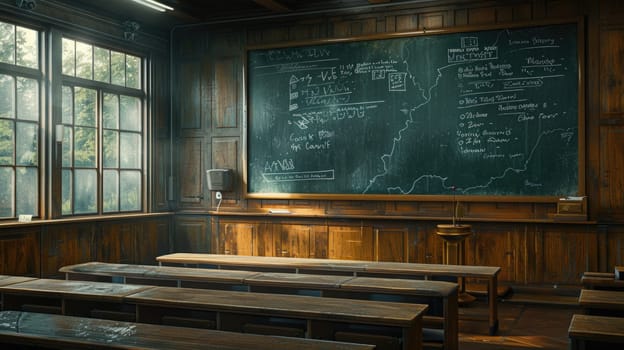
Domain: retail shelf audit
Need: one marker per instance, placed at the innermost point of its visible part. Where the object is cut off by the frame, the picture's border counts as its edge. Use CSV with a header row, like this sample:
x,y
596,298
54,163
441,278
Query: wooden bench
x,y
372,322
601,280
76,298
352,267
602,302
37,330
398,325
440,323
588,332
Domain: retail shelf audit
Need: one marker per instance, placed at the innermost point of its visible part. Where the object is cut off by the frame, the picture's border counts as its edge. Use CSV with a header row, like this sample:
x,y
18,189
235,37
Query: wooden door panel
x,y
351,243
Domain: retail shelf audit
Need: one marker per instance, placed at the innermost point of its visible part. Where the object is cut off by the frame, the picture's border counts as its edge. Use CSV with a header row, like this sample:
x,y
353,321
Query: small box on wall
x,y
219,179
571,208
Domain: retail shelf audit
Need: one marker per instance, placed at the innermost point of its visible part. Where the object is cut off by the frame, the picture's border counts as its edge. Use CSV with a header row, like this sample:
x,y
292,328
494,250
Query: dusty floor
x,y
522,326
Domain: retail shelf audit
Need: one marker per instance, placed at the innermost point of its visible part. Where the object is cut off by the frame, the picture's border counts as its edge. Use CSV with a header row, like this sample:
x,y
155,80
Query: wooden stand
x,y
454,236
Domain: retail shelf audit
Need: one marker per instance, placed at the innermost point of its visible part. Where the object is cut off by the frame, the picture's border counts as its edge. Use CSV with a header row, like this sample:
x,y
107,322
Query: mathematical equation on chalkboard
x,y
486,113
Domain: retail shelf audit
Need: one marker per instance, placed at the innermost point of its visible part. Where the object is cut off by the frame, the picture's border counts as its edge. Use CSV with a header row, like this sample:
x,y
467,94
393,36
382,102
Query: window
x,y
103,130
20,115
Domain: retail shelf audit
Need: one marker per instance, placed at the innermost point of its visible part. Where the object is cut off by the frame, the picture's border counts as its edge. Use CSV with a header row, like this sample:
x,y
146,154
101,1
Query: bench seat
x,y
589,332
63,332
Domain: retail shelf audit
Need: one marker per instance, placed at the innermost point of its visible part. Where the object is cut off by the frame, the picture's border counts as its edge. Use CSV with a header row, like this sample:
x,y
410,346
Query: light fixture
x,y
154,5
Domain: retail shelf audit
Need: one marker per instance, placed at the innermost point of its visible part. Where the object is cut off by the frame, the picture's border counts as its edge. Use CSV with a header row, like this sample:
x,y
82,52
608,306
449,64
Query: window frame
x,y
104,88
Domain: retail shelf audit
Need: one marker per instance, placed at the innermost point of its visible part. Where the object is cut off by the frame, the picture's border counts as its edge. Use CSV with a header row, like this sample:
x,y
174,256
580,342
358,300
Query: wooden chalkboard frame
x,y
581,190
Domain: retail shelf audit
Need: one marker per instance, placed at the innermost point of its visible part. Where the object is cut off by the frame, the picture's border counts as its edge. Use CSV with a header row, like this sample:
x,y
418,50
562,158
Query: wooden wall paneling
x,y
237,238
160,171
153,240
482,15
611,8
562,253
292,240
263,240
615,248
562,8
312,29
417,245
191,171
350,242
611,72
436,20
227,75
345,27
20,252
160,155
612,172
522,12
406,22
188,96
67,244
498,245
319,241
192,234
117,242
391,243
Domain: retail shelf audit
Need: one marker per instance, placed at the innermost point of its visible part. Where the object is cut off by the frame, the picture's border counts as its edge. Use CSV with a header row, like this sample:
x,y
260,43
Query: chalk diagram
x,y
475,113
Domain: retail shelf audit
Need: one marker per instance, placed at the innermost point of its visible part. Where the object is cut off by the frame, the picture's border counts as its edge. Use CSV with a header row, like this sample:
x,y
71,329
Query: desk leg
x,y
493,303
412,336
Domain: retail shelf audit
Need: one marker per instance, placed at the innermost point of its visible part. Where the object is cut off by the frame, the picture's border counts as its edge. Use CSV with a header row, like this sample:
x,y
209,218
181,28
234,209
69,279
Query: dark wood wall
x,y
521,237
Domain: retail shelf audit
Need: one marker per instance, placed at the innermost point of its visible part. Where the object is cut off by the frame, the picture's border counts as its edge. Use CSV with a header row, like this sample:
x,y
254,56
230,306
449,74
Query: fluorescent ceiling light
x,y
154,5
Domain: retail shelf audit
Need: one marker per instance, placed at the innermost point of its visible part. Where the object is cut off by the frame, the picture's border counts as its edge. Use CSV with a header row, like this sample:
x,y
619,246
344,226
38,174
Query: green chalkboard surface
x,y
491,112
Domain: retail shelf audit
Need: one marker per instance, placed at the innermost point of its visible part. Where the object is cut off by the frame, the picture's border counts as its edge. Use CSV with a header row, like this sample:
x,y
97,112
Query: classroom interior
x,y
132,132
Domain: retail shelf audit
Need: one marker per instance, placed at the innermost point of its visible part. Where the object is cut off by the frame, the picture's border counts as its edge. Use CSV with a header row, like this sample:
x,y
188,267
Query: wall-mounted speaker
x,y
219,179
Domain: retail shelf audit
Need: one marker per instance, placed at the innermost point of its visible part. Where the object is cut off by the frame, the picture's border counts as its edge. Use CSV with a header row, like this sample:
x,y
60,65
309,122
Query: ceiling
x,y
205,11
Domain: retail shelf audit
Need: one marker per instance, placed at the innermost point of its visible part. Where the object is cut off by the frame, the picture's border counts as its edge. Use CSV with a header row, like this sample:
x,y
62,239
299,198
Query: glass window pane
x,y
110,191
129,190
85,191
69,57
130,150
7,43
68,105
133,72
27,144
27,48
67,192
130,113
110,111
7,96
6,192
101,64
68,146
84,60
84,105
7,142
84,147
118,68
111,149
27,99
27,186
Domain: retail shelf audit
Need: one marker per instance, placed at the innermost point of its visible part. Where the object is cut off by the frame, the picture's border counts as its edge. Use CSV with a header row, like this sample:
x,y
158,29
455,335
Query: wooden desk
x,y
601,280
589,332
77,298
63,332
8,280
353,267
440,296
321,318
603,302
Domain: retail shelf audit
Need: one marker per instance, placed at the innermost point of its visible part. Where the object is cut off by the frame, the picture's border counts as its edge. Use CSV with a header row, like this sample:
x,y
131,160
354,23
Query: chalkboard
x,y
485,113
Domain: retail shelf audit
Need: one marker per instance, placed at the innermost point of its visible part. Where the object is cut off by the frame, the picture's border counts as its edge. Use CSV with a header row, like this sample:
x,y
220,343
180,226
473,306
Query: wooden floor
x,y
522,326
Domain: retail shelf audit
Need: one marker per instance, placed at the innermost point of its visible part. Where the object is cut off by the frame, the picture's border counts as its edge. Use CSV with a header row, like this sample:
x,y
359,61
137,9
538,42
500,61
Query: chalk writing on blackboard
x,y
491,112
